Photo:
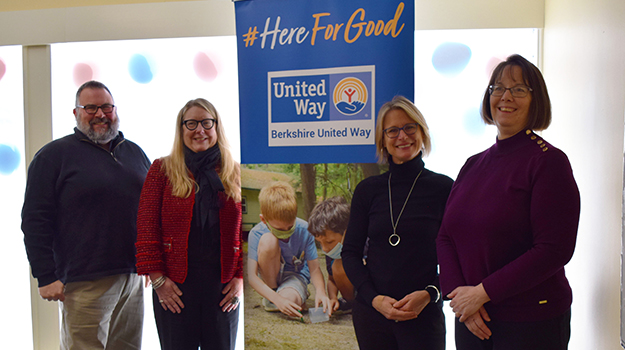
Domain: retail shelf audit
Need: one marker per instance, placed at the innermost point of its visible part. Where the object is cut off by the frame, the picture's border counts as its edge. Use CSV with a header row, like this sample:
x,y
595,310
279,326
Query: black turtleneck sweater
x,y
412,264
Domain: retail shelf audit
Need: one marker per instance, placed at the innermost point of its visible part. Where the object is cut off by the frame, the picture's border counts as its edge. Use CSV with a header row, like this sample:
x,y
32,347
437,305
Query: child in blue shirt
x,y
282,257
327,223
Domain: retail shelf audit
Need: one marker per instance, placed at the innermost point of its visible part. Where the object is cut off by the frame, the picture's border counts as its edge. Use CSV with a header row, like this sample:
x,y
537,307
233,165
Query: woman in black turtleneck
x,y
398,301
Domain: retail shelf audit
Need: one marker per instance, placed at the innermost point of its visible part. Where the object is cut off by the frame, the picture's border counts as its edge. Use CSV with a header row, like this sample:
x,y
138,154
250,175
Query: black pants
x,y
201,323
375,332
551,334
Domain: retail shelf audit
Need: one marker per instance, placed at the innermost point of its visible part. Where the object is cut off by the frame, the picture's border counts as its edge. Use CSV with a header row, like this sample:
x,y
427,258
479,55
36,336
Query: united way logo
x,y
350,96
321,107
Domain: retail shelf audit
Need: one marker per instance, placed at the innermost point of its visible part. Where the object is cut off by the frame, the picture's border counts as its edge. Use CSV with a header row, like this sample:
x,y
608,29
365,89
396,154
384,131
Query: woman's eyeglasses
x,y
207,124
409,129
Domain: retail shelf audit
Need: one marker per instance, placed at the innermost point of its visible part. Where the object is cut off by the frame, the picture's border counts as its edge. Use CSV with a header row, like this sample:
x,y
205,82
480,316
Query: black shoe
x,y
345,305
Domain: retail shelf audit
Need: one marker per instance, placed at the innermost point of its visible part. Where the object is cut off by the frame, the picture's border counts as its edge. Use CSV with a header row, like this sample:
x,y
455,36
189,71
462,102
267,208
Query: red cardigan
x,y
163,225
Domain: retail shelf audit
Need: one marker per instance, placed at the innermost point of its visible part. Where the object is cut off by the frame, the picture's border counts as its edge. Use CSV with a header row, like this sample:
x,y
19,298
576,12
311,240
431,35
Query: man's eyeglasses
x,y
409,129
207,124
93,109
515,91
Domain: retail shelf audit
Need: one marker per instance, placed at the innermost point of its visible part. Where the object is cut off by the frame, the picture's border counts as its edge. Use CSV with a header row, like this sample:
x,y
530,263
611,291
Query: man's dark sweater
x,y
80,209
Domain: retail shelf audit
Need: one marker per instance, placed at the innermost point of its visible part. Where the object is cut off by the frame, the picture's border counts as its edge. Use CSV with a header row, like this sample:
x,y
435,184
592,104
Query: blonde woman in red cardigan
x,y
189,235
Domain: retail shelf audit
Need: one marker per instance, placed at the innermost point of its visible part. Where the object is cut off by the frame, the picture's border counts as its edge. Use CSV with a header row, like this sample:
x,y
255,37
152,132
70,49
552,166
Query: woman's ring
x,y
234,300
161,301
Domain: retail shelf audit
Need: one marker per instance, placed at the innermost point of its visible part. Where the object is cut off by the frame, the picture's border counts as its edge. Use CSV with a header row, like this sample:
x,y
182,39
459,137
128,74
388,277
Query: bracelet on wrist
x,y
435,294
157,283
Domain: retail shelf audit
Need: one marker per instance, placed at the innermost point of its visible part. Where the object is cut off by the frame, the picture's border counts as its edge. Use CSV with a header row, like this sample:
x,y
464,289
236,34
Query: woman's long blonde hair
x,y
404,104
176,170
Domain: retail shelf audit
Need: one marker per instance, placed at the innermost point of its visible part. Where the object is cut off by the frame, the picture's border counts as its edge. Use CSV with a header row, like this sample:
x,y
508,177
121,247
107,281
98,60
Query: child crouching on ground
x,y
327,223
282,256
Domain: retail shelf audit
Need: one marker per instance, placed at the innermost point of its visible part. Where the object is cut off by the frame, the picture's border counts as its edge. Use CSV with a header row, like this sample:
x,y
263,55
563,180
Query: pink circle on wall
x,y
3,69
204,67
492,63
82,73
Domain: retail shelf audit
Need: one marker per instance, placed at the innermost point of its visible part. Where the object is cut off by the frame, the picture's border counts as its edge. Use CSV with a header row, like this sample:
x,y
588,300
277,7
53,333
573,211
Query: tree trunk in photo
x,y
309,176
325,186
369,169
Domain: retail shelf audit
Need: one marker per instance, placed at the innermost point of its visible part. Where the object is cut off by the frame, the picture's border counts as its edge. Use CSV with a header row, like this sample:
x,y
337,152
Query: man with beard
x,y
79,223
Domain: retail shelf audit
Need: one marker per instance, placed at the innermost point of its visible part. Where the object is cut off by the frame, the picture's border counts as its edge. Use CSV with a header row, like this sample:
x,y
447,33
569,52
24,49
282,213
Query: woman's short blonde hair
x,y
400,102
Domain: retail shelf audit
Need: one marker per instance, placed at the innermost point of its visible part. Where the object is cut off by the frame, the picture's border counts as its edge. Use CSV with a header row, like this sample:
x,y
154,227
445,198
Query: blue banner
x,y
313,73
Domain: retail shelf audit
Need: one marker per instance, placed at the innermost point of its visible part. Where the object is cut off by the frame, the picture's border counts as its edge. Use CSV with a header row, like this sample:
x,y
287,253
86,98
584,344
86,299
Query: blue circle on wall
x,y
140,69
9,159
450,59
472,122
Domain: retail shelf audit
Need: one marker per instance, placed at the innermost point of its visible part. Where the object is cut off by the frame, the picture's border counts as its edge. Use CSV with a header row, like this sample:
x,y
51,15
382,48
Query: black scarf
x,y
202,166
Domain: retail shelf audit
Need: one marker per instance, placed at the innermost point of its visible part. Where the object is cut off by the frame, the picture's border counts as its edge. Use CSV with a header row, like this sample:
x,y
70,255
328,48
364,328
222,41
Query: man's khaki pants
x,y
103,314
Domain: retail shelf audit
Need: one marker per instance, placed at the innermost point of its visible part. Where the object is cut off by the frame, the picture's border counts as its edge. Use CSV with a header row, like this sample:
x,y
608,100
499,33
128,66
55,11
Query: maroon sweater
x,y
163,225
511,223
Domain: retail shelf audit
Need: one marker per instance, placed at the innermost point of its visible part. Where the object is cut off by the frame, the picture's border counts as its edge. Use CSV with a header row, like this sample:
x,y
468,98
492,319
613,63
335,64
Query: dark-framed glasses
x,y
409,129
207,124
93,109
516,91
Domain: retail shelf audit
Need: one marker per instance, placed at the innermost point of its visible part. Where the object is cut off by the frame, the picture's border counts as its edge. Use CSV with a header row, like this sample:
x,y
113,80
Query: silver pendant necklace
x,y
394,238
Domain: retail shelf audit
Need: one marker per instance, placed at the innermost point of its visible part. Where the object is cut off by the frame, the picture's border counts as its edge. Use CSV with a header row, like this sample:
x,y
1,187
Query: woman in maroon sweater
x,y
189,235
510,225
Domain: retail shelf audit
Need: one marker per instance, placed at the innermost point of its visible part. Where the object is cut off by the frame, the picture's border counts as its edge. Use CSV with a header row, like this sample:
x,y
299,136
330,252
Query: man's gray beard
x,y
99,137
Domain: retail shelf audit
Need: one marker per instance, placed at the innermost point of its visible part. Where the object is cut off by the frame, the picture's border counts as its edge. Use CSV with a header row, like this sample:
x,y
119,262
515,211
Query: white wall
x,y
467,14
584,65
118,22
